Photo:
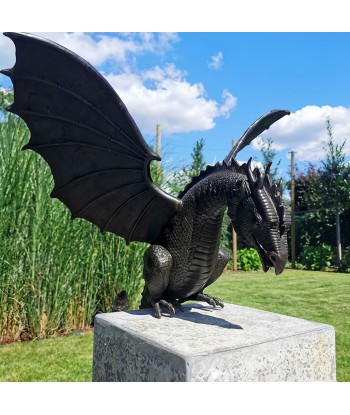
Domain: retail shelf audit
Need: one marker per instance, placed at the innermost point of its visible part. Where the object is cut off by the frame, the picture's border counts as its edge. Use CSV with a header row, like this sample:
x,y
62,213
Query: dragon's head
x,y
260,217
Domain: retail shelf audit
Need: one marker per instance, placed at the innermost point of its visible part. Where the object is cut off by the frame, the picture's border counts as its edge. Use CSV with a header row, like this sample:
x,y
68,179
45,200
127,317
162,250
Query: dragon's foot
x,y
169,305
162,303
214,301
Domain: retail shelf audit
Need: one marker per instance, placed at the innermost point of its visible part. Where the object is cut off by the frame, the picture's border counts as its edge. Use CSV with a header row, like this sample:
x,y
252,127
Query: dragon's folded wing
x,y
80,126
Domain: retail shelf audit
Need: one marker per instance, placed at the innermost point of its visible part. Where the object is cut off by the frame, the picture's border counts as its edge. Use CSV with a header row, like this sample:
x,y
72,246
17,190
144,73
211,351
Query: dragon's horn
x,y
280,186
250,173
260,125
260,182
267,170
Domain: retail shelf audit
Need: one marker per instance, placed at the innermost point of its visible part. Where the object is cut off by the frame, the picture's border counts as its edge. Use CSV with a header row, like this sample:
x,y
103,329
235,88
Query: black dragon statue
x,y
101,168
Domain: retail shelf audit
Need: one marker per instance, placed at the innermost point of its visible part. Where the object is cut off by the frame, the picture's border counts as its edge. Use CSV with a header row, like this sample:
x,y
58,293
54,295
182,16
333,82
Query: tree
x,y
314,224
334,183
198,162
184,176
324,193
269,154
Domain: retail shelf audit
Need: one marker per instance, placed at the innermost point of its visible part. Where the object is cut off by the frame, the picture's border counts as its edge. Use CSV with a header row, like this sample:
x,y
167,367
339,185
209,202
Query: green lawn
x,y
318,296
63,359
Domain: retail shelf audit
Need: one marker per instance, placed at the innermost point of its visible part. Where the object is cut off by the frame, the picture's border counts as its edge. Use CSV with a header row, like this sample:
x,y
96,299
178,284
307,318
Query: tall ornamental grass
x,y
54,272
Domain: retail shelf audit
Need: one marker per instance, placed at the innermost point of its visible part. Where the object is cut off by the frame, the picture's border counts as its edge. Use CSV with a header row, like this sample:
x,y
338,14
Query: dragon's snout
x,y
271,259
278,261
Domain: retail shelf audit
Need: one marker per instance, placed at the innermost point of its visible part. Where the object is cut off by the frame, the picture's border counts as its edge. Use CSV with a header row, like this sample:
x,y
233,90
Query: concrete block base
x,y
211,344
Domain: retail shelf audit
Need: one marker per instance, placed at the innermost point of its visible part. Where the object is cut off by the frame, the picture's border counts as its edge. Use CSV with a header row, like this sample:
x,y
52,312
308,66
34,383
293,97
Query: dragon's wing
x,y
80,126
259,126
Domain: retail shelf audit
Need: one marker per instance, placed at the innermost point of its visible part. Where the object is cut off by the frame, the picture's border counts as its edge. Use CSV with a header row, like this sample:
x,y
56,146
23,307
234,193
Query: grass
x,y
54,272
62,359
318,296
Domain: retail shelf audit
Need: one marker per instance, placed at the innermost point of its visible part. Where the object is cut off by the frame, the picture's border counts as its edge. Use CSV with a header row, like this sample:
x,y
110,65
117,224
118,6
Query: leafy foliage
x,y
317,258
334,184
198,162
182,177
268,155
248,259
320,193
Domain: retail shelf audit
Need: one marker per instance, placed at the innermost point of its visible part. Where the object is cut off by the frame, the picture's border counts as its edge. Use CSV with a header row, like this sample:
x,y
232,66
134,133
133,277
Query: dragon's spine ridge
x,y
209,169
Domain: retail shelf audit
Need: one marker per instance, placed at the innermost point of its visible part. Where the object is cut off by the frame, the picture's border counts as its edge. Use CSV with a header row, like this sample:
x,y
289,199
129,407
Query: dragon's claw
x,y
157,310
214,301
168,306
162,303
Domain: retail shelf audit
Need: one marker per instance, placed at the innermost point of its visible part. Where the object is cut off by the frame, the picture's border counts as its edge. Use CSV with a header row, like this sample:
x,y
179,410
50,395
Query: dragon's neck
x,y
200,218
216,190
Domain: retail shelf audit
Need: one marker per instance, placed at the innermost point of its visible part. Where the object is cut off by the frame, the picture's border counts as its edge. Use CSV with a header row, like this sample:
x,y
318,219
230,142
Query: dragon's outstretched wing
x,y
80,126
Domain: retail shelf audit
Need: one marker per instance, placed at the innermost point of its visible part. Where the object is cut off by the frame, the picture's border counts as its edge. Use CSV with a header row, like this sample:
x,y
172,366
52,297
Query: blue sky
x,y
214,85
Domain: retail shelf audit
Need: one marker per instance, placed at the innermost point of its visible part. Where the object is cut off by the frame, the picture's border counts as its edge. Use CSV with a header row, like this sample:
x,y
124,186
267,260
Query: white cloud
x,y
160,94
7,53
171,101
101,48
304,131
216,61
229,102
115,48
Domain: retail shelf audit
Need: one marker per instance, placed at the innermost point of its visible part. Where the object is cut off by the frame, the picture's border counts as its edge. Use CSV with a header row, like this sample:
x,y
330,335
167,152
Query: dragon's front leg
x,y
156,271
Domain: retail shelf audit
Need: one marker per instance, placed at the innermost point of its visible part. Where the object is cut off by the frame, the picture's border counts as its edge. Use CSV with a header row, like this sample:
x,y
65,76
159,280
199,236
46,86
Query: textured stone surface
x,y
205,344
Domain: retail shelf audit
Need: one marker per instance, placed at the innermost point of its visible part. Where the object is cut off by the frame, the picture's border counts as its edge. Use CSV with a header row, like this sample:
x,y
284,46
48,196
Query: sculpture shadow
x,y
190,314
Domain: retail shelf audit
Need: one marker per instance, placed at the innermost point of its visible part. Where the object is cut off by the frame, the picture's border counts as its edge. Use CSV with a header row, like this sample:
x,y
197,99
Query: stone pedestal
x,y
205,344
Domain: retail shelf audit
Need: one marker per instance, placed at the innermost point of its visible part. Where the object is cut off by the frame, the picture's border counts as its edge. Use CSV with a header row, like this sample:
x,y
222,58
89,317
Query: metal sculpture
x,y
100,164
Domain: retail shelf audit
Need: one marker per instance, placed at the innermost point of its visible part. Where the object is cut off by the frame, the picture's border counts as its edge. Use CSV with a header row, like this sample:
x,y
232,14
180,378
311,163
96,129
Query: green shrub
x,y
345,264
248,259
317,257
